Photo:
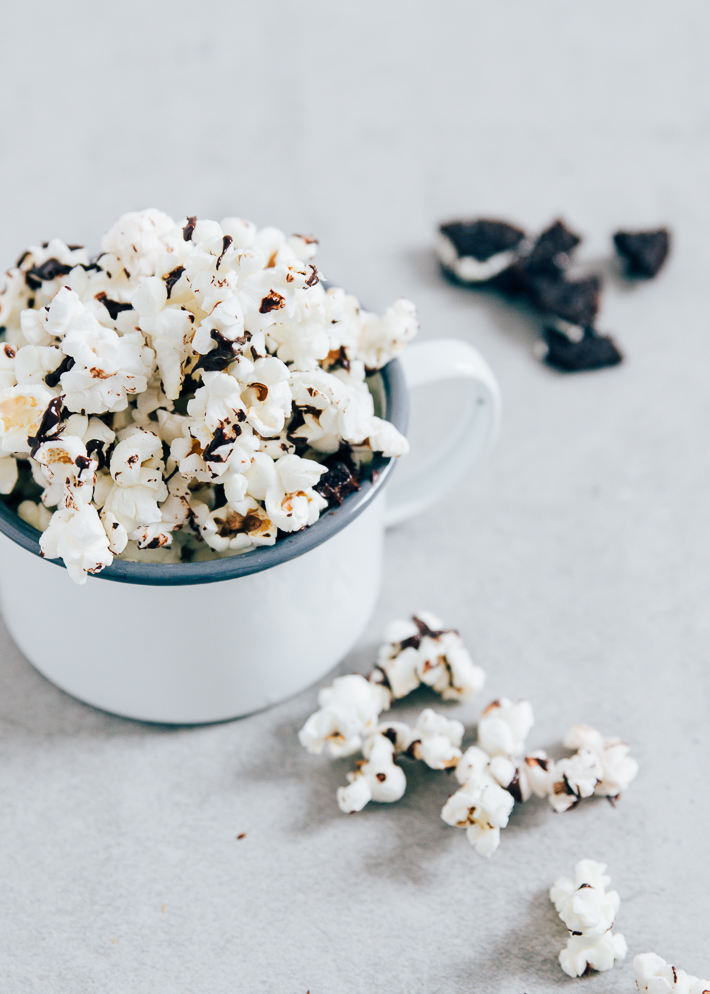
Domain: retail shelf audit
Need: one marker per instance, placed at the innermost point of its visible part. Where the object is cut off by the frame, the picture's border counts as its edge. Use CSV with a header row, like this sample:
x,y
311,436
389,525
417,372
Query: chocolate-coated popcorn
x,y
219,343
655,976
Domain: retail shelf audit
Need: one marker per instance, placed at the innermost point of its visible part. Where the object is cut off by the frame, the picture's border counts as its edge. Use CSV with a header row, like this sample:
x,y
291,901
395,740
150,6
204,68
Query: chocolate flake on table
x,y
114,307
593,351
49,270
53,378
172,278
50,427
644,251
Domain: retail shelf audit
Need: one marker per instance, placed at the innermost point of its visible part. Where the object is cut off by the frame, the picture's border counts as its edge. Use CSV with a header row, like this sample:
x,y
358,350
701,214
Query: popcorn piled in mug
x,y
187,394
493,774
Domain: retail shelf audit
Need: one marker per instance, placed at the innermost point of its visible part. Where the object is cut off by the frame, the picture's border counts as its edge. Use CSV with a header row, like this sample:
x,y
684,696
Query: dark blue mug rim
x,y
331,521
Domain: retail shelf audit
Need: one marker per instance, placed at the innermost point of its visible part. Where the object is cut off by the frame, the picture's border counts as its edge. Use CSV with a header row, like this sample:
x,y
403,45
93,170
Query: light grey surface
x,y
576,564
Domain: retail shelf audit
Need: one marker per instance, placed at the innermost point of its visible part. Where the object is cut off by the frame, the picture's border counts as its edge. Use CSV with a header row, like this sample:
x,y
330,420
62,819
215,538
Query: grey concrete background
x,y
575,563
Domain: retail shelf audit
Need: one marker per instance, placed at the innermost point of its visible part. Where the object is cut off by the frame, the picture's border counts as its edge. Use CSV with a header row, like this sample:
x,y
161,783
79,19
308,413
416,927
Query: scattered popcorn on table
x,y
493,774
376,778
600,766
656,976
618,768
504,726
348,713
481,805
190,393
588,910
436,740
422,651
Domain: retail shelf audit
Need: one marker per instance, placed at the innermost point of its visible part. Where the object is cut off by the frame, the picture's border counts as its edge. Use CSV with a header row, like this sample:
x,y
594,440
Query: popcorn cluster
x,y
420,651
655,976
493,774
414,652
190,393
588,910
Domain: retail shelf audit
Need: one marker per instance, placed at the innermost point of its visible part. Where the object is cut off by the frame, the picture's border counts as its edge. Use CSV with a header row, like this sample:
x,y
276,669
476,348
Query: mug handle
x,y
432,362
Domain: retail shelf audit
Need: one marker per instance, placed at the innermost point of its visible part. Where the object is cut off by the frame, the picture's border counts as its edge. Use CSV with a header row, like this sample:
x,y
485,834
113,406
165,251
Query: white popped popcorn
x,y
219,341
376,778
600,766
481,805
655,976
348,713
588,910
436,740
618,768
422,651
504,726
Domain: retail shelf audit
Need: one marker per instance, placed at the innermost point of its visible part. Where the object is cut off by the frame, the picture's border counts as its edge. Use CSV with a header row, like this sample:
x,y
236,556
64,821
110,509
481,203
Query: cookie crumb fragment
x,y
643,251
478,251
592,351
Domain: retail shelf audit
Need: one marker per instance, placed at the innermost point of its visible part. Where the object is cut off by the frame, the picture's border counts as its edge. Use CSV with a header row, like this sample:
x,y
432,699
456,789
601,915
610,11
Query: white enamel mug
x,y
201,642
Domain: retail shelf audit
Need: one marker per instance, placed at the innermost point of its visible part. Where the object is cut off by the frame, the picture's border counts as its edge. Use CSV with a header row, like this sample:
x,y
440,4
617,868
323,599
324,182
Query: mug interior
x,y
391,402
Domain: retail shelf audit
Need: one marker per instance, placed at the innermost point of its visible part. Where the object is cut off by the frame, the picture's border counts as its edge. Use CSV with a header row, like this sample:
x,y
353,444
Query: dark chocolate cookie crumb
x,y
576,301
551,251
644,251
482,239
337,483
593,351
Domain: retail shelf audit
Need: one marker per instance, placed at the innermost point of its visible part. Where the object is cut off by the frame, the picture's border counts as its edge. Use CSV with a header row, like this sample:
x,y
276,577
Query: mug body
x,y
197,652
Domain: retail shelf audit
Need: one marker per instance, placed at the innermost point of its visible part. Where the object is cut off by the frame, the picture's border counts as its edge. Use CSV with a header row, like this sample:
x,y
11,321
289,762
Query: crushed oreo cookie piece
x,y
337,483
592,351
643,251
575,301
224,354
478,251
482,239
551,252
